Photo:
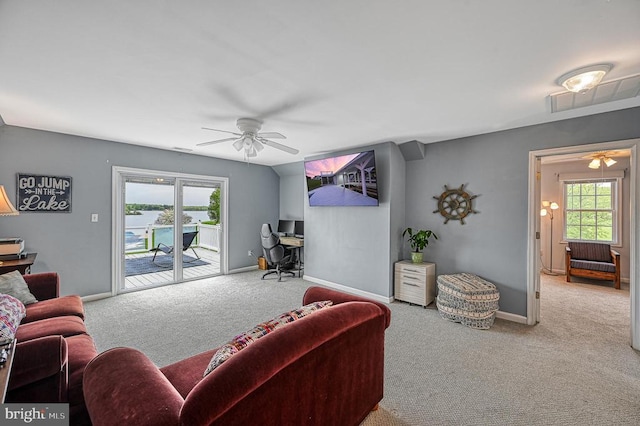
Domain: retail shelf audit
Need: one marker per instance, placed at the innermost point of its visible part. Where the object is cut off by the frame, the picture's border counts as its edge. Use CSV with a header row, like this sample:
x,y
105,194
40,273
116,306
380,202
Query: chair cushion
x,y
58,307
243,340
13,283
593,266
64,326
598,252
11,313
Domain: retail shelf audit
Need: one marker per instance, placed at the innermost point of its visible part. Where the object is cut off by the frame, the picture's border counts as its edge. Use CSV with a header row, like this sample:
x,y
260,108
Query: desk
x,y
23,265
296,244
6,370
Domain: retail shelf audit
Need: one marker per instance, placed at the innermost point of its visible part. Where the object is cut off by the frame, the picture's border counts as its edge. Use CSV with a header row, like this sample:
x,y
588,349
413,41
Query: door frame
x,y
533,226
118,176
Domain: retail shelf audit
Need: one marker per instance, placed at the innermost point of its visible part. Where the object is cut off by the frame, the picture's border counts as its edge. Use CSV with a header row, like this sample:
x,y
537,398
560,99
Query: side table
x,y
415,282
5,371
23,265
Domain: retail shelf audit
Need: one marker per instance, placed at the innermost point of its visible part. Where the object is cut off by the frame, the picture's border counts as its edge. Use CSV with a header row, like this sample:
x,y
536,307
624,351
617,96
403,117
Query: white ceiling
x,y
329,75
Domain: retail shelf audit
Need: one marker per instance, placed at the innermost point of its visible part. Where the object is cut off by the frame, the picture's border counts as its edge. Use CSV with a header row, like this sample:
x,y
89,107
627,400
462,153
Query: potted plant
x,y
418,239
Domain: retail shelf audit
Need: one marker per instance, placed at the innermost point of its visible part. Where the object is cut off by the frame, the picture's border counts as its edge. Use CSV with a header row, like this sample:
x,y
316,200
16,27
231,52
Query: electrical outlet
x,y
250,253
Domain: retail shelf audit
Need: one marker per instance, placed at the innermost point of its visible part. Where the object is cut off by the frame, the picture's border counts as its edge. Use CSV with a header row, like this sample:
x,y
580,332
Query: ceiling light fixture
x,y
584,79
596,162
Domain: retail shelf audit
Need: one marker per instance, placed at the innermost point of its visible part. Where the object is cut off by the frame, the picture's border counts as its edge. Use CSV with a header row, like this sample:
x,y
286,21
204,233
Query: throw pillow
x,y
243,340
11,313
14,284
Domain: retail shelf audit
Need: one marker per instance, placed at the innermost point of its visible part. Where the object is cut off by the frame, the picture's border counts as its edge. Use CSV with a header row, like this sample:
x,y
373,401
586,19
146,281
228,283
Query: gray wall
x,y
292,190
351,246
80,250
551,189
493,243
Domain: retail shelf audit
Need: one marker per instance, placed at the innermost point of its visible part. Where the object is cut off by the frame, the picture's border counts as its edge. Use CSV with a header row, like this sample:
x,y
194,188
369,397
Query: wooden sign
x,y
38,193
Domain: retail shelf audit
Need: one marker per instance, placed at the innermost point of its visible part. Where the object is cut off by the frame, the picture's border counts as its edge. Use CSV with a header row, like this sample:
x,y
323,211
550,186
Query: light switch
x,y
94,217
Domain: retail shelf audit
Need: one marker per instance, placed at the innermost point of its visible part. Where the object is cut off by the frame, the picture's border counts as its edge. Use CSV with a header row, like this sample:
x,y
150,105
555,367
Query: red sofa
x,y
323,369
52,350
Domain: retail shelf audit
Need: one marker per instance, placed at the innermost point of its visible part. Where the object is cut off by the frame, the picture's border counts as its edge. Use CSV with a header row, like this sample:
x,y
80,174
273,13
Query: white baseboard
x,y
93,297
350,290
511,317
245,269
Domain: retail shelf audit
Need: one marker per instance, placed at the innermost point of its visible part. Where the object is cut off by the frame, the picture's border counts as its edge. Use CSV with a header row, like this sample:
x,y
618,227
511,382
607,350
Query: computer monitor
x,y
286,227
298,229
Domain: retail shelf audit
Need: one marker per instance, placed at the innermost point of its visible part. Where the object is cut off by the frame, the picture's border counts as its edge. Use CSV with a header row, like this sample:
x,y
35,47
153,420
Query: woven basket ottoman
x,y
467,299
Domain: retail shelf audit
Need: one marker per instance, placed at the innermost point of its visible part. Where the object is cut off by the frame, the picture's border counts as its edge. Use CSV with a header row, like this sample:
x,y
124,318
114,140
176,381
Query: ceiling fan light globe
x,y
238,144
609,161
595,163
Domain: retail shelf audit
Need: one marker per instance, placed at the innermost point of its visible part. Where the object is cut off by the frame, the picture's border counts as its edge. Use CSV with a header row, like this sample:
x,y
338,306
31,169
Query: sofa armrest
x,y
39,359
317,294
43,286
122,386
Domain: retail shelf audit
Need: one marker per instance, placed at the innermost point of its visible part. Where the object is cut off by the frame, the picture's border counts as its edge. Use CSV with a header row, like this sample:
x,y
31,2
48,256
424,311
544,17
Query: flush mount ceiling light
x,y
584,79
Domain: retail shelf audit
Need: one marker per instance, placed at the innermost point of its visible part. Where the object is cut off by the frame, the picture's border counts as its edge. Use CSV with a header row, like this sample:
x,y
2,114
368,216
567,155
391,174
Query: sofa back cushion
x,y
326,368
243,340
598,252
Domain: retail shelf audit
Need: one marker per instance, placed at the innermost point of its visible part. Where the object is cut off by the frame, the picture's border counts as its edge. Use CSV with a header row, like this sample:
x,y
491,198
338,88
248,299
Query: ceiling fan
x,y
597,158
250,139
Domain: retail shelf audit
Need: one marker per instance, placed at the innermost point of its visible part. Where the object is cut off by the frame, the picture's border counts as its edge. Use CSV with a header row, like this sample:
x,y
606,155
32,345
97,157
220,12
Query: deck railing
x,y
142,238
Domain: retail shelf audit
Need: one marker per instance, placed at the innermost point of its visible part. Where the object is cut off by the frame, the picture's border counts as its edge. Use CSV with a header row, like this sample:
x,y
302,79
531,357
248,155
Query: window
x,y
592,210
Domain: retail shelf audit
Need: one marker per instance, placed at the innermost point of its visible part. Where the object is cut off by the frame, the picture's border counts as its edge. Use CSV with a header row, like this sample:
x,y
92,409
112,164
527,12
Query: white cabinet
x,y
415,282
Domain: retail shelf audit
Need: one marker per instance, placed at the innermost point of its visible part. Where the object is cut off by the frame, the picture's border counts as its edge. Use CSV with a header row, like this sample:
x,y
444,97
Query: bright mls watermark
x,y
35,414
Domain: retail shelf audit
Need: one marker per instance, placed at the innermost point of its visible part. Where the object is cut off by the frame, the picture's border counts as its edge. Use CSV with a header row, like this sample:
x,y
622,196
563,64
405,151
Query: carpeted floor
x,y
163,262
574,368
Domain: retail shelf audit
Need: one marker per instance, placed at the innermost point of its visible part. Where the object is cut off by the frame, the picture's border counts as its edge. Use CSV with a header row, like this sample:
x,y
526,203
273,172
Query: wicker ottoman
x,y
467,299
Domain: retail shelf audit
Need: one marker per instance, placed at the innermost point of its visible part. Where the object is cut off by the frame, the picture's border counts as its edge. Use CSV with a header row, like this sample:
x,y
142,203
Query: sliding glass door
x,y
167,228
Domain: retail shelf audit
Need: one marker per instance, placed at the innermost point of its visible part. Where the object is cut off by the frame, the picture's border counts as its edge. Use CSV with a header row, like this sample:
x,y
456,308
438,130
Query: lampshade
x,y
543,212
609,161
554,206
545,203
6,208
584,79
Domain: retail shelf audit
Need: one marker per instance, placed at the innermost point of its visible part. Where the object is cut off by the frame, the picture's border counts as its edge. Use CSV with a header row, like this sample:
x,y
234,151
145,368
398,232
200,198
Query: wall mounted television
x,y
345,180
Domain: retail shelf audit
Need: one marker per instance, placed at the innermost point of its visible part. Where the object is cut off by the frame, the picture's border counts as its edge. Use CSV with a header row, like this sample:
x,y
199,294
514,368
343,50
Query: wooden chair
x,y
592,260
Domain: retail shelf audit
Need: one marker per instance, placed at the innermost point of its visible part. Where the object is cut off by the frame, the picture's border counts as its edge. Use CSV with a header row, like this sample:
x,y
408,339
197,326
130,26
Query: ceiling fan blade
x,y
279,146
271,135
223,131
216,141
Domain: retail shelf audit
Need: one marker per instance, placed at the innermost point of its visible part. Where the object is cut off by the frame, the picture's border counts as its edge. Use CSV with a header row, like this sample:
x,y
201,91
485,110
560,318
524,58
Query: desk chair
x,y
187,240
274,253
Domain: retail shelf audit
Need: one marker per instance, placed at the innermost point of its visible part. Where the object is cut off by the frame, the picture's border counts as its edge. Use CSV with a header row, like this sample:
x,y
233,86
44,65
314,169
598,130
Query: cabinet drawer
x,y
411,269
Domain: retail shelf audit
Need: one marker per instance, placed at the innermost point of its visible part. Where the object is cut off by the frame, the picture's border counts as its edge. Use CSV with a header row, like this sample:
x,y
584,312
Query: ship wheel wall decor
x,y
455,204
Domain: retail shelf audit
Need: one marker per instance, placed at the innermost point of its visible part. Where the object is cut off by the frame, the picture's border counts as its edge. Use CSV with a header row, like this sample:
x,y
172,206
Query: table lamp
x,y
6,208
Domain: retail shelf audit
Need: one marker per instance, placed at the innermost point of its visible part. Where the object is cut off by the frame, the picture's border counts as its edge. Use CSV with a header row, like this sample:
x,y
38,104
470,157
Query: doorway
x,y
534,263
167,228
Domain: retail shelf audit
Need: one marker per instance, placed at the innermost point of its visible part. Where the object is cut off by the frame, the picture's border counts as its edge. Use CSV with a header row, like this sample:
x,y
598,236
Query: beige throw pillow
x,y
13,283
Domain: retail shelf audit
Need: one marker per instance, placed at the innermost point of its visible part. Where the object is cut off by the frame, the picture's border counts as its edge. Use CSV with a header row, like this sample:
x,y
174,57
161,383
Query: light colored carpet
x,y
574,368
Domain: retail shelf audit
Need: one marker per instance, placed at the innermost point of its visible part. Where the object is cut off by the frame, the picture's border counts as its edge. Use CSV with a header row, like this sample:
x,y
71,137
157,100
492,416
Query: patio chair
x,y
187,240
